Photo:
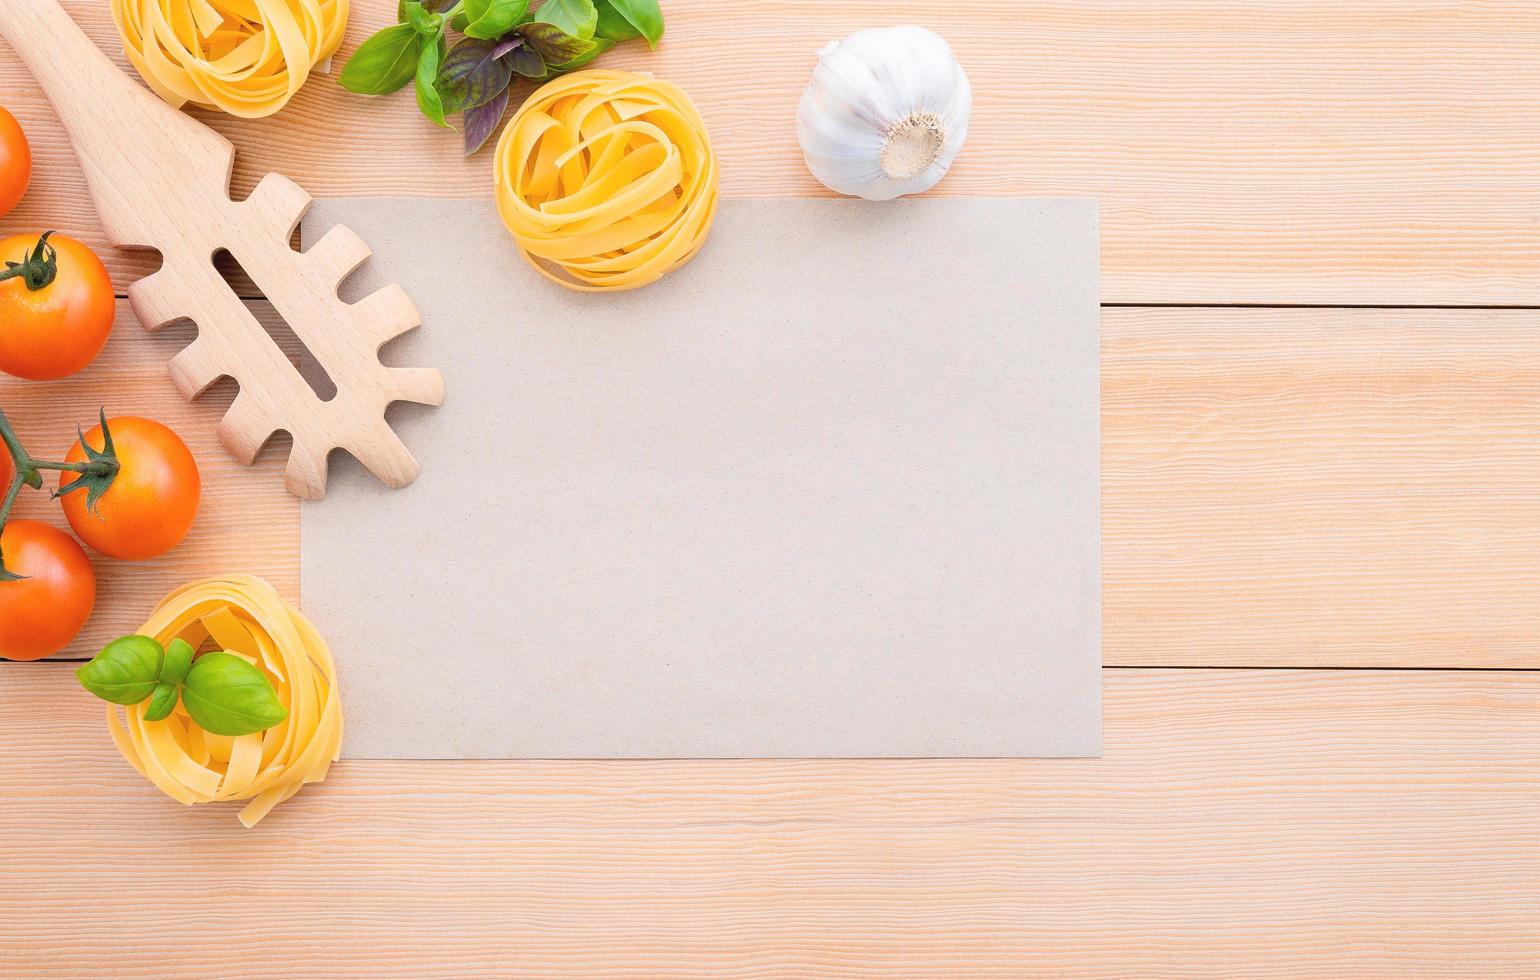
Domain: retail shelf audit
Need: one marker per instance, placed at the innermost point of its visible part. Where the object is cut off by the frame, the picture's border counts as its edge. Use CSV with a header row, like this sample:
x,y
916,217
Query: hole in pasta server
x,y
278,329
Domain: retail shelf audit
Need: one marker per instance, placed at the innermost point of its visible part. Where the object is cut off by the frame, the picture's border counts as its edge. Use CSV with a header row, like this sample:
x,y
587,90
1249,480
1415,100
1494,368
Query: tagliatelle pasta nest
x,y
607,176
242,615
244,57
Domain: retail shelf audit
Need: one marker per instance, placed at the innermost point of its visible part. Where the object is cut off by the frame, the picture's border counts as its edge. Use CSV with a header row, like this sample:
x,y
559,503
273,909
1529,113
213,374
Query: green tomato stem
x,y
37,268
29,472
10,498
13,445
97,467
5,511
25,473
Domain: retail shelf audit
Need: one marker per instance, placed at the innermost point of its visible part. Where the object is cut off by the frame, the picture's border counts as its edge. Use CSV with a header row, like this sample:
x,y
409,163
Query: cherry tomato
x,y
15,162
7,471
41,613
54,331
153,499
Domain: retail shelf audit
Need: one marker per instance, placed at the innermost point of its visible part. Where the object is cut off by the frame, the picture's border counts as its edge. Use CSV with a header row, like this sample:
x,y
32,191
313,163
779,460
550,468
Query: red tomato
x,y
15,162
52,332
152,501
7,471
41,613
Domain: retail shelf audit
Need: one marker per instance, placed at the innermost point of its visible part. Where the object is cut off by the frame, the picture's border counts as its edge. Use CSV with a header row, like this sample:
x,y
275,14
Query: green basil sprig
x,y
503,40
224,694
433,49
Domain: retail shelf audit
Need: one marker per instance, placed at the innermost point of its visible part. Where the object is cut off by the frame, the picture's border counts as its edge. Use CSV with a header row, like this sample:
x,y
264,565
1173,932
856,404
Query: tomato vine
x,y
96,473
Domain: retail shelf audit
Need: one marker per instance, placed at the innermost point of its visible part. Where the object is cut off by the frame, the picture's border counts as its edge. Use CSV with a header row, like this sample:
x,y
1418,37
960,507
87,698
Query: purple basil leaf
x,y
471,75
506,45
552,43
482,120
601,45
527,62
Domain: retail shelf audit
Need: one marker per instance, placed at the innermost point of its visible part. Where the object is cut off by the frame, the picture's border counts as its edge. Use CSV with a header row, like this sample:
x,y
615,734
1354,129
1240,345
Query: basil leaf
x,y
526,61
601,45
179,657
612,24
491,19
423,20
162,701
481,121
471,75
383,63
427,73
125,672
575,17
553,44
226,695
621,20
432,6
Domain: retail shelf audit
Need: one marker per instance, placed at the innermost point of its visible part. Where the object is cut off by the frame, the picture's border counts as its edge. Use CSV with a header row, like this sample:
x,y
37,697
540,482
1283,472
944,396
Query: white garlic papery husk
x,y
885,114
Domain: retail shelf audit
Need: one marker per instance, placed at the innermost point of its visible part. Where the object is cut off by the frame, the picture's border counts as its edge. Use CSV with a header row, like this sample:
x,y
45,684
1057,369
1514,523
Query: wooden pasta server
x,y
160,180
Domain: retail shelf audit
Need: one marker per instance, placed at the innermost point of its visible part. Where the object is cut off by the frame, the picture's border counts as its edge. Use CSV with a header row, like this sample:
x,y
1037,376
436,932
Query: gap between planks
x,y
1282,488
1272,151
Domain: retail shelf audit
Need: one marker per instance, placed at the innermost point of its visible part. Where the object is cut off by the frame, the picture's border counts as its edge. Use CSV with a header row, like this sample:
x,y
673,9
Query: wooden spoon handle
x,y
161,180
146,162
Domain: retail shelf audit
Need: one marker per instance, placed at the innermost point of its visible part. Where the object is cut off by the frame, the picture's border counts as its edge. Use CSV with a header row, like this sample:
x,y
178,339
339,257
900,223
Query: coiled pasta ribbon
x,y
609,177
245,57
245,616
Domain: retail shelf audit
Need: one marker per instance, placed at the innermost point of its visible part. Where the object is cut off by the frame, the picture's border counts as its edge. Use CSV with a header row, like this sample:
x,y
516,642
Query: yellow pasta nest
x,y
246,617
607,176
245,57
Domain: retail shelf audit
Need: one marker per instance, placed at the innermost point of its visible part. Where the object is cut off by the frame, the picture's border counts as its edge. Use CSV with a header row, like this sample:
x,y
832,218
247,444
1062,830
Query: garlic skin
x,y
885,114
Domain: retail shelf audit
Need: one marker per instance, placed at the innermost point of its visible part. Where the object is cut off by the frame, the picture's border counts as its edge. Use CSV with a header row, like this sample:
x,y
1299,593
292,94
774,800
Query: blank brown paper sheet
x,y
830,490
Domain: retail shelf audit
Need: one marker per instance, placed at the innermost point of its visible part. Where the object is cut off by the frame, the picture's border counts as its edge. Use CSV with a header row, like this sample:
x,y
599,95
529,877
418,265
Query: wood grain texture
x,y
245,520
1344,488
1282,487
1242,823
1274,151
1321,487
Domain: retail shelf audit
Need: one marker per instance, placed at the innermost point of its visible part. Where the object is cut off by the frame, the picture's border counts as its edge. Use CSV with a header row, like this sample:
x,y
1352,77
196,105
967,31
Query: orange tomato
x,y
7,471
15,162
41,613
52,332
153,499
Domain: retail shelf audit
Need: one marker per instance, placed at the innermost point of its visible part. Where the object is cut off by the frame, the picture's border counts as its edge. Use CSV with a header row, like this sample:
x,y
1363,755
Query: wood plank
x,y
1278,151
1344,488
245,521
1242,823
1321,487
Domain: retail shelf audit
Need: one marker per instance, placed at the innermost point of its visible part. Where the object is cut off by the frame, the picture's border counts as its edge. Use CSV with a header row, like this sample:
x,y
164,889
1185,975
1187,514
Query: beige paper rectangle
x,y
832,489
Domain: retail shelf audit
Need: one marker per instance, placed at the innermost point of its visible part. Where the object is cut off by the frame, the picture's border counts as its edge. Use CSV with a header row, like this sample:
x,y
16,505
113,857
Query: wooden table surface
x,y
1321,413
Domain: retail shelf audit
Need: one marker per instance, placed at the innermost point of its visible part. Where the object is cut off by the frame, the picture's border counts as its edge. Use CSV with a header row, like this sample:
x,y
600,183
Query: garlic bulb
x,y
885,113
